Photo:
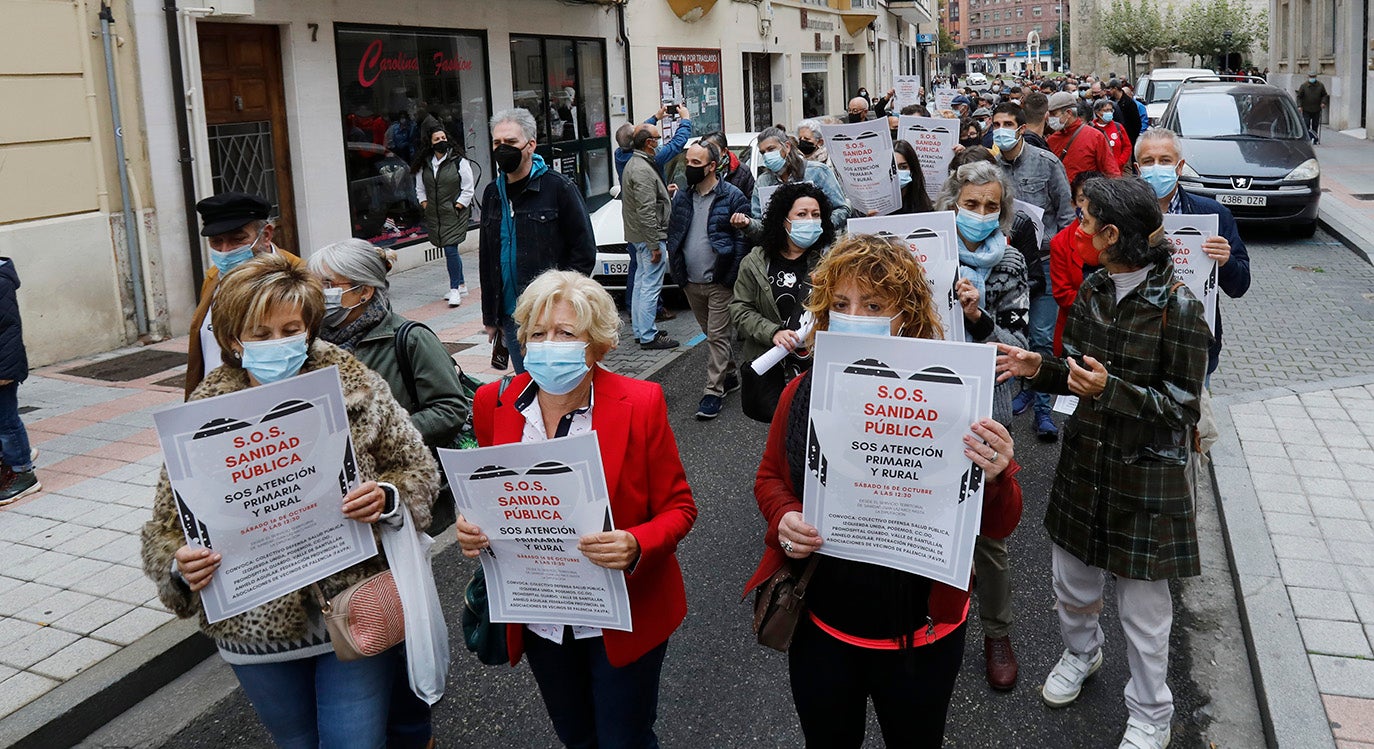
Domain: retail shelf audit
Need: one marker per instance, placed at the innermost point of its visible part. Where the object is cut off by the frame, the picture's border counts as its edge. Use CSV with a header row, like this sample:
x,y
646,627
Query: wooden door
x,y
245,114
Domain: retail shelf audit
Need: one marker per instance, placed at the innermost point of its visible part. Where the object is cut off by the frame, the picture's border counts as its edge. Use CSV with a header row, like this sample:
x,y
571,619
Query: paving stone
x,y
1278,501
1334,638
136,591
110,578
93,616
21,689
1357,579
1302,452
75,658
1364,607
34,646
1345,529
1265,450
92,539
53,607
1352,718
1309,468
14,554
1351,552
17,526
1316,603
126,549
1326,487
36,565
1348,677
1298,547
133,625
1336,507
1307,573
1292,524
55,536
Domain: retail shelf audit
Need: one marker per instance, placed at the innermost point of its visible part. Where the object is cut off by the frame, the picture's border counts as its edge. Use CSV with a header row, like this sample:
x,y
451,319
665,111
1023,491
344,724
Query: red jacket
x,y
650,498
1089,152
1116,138
777,496
1066,275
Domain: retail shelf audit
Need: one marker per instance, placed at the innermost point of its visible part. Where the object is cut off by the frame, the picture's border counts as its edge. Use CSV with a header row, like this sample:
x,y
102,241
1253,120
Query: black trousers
x,y
1313,120
832,682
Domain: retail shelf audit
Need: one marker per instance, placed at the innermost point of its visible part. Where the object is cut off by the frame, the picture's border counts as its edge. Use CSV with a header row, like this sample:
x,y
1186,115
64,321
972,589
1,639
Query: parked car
x,y
1244,145
1157,87
977,79
612,257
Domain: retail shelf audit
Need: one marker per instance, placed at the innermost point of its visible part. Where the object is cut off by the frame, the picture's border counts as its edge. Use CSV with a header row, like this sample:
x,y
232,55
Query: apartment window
x,y
1006,31
1020,12
1329,29
1036,11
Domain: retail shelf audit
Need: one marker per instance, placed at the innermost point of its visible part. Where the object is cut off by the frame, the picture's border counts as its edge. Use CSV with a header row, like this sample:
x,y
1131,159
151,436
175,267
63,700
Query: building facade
x,y
996,34
1335,38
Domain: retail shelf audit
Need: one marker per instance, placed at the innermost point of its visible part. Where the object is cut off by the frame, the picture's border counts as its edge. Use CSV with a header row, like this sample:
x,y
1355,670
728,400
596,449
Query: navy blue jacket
x,y
1234,278
14,360
552,230
726,240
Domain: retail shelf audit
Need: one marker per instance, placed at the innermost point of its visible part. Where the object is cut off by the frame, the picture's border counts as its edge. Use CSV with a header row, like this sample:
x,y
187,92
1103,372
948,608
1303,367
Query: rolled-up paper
x,y
774,355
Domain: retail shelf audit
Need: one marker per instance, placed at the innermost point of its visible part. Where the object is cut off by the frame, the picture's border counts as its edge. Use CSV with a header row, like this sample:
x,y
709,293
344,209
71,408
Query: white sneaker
x,y
463,289
454,298
1144,736
1066,678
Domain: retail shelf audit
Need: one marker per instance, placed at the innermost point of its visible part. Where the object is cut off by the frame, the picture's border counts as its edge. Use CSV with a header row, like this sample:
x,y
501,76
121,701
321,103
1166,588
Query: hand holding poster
x,y
887,481
534,501
933,239
1192,265
862,154
934,140
259,476
908,91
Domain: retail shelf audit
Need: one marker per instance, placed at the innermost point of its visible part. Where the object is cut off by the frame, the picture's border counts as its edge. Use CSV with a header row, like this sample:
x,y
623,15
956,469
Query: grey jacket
x,y
645,207
1039,179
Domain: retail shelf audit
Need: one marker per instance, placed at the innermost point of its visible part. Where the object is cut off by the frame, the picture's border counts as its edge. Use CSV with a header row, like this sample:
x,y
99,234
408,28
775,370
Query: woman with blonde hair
x,y
870,631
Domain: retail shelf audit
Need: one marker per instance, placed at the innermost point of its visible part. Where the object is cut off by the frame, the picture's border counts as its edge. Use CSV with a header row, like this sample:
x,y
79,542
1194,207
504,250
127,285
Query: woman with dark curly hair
x,y
771,289
1135,353
870,631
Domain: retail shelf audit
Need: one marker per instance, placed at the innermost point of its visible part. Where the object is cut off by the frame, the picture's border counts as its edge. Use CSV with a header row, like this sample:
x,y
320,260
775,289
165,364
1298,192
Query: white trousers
x,y
1146,612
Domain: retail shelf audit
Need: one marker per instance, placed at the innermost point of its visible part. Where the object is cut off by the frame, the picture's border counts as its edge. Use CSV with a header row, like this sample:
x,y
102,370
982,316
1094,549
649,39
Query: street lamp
x,y
1226,40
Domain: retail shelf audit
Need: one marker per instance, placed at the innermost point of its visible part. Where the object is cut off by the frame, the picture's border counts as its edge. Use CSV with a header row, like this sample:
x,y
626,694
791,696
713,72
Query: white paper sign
x,y
1192,266
933,239
533,501
259,476
934,140
887,481
944,98
862,155
908,91
1065,404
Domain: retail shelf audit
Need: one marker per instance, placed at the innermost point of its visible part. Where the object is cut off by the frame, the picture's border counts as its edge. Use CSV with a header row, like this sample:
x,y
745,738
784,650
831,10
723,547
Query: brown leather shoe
x,y
1002,667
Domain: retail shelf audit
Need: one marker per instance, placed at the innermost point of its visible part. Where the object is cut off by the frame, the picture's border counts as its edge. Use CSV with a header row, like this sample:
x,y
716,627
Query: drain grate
x,y
456,348
130,367
175,381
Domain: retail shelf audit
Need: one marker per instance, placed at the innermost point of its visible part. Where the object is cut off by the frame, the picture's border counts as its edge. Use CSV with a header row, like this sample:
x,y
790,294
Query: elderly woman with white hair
x,y
600,687
358,319
995,296
811,142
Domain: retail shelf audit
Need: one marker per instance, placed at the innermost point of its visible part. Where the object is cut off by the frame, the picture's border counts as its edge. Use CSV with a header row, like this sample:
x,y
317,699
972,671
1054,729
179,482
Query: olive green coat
x,y
754,311
443,407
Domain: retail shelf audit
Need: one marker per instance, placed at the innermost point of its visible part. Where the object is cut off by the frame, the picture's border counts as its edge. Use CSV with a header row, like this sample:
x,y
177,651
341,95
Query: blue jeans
x,y
322,701
410,724
1043,313
510,330
648,284
591,702
630,275
454,262
14,438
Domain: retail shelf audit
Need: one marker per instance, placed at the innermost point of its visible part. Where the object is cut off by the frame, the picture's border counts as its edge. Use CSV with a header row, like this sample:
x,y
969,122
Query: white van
x,y
1157,87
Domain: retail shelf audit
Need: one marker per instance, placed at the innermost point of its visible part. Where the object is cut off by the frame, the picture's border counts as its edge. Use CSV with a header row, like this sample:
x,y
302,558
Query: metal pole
x,y
1061,36
130,221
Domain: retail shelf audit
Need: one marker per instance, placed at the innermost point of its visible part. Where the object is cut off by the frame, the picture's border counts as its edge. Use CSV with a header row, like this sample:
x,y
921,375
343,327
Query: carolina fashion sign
x,y
259,476
534,501
887,481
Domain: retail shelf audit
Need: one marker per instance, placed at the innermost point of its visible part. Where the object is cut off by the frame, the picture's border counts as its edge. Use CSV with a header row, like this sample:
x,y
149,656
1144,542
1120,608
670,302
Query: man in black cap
x,y
237,227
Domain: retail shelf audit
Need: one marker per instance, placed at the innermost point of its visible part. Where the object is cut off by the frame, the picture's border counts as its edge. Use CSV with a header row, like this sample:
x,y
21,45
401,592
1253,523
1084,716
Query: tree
x,y
947,45
1061,31
1210,29
1132,29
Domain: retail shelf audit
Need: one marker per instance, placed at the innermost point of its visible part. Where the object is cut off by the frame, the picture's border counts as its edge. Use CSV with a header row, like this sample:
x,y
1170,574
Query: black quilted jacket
x,y
14,361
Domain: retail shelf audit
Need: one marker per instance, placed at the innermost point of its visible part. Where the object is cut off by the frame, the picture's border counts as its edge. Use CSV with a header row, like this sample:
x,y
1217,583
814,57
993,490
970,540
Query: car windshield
x,y
1161,91
1236,115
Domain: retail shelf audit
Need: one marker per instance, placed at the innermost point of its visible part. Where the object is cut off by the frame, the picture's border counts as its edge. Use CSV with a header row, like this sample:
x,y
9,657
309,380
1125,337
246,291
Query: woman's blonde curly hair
x,y
884,268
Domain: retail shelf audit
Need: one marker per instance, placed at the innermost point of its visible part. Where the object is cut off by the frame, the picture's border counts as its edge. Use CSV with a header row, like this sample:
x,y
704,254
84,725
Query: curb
x,y
80,706
1290,704
1347,234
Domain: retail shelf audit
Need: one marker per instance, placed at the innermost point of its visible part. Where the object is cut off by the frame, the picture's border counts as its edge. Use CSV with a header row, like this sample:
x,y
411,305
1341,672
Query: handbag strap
x,y
325,605
403,358
799,590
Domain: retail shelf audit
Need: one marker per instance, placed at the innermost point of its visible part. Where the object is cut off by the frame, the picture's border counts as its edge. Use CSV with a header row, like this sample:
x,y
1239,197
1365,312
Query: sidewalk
x,y
80,626
1347,205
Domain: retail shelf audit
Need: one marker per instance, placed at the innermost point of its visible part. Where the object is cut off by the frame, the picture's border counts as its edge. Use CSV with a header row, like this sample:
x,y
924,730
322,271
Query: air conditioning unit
x,y
232,7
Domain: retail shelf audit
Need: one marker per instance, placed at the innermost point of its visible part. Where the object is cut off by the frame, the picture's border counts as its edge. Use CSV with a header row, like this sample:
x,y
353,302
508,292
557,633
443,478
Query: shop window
x,y
396,86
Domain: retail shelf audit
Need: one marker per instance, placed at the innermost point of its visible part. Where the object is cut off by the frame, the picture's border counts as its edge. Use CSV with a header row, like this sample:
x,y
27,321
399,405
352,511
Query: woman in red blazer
x,y
567,324
870,631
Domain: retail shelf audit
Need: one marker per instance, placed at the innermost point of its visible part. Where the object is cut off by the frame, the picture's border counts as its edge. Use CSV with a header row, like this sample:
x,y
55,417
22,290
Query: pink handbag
x,y
366,619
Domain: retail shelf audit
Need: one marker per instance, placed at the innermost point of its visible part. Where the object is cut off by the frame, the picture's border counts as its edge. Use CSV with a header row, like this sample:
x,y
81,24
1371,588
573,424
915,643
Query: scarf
x,y
977,265
509,277
349,336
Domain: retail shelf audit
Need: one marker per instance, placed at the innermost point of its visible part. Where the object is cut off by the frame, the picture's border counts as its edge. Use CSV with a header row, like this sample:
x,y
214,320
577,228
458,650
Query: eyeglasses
x,y
328,284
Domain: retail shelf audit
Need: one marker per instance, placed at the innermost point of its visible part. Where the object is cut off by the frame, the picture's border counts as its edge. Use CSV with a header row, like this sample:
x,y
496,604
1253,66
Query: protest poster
x,y
1037,216
533,501
862,155
944,97
908,89
934,140
1192,266
765,193
259,476
886,479
933,239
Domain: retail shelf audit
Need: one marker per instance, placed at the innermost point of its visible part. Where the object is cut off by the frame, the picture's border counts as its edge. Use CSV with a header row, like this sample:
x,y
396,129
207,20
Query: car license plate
x,y
615,267
1250,200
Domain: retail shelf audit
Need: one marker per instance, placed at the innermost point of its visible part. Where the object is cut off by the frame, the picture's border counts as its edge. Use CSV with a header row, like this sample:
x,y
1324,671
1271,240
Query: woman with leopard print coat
x,y
280,651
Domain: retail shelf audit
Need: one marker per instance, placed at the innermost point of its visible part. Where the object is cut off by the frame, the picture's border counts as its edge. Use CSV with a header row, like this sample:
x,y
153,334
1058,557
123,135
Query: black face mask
x,y
894,135
695,174
853,118
508,158
971,142
806,147
441,147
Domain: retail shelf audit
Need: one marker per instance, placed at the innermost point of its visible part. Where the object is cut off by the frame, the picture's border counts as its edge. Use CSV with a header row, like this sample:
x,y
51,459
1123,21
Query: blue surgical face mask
x,y
805,231
334,309
275,360
903,178
1106,116
975,227
227,261
1162,177
556,366
863,324
1004,138
774,161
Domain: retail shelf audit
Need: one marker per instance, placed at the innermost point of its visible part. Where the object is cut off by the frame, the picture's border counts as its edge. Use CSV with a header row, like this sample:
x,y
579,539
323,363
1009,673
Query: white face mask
x,y
1055,123
862,324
